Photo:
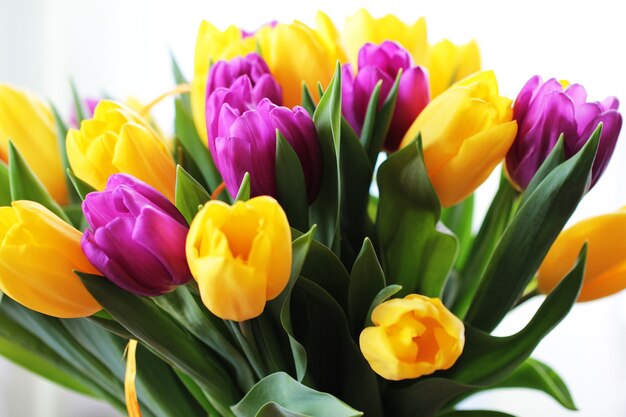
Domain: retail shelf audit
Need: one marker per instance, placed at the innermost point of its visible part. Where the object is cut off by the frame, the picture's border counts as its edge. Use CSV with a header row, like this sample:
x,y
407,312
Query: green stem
x,y
245,338
269,345
495,222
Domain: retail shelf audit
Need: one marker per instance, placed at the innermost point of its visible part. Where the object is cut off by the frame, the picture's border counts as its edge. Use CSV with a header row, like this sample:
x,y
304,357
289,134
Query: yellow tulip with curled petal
x,y
38,253
411,337
449,63
29,123
294,52
240,255
118,140
466,132
605,268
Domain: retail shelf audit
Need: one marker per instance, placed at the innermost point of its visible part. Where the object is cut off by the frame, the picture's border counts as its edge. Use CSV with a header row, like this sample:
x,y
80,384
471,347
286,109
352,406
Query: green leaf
x,y
290,184
335,362
530,235
179,78
424,397
474,413
367,131
458,219
533,374
280,395
554,159
196,391
78,103
158,330
307,100
488,359
382,296
366,281
5,186
26,186
61,136
417,251
191,142
81,187
244,189
189,194
325,210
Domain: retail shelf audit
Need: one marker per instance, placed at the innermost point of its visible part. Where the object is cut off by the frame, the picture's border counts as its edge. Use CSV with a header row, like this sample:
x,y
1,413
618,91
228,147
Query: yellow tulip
x,y
295,53
118,140
466,132
29,123
361,28
412,336
240,255
449,63
605,269
38,255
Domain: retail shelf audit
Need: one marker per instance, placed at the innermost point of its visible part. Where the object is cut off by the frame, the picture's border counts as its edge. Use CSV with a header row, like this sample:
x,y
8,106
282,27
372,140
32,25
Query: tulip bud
x,y
136,237
466,132
240,256
29,123
605,267
413,336
38,254
543,112
248,144
118,140
382,63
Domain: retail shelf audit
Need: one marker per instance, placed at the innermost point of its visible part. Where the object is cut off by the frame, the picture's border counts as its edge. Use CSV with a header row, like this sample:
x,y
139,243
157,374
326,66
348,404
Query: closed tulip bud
x,y
240,256
449,63
136,237
294,53
382,63
118,140
248,145
29,123
411,337
544,111
38,255
605,267
466,132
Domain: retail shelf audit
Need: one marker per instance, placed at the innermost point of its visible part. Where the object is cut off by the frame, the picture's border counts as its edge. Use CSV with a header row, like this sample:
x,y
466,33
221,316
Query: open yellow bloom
x,y
240,255
38,254
449,63
605,269
29,123
412,336
118,140
361,28
466,132
295,53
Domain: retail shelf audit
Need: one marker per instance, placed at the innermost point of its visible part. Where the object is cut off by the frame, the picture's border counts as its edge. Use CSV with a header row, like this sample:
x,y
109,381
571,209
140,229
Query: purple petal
x,y
577,93
236,159
611,126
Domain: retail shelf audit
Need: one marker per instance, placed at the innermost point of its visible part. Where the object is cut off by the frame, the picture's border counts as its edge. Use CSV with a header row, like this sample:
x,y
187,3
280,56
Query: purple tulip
x,y
544,111
382,62
136,237
247,143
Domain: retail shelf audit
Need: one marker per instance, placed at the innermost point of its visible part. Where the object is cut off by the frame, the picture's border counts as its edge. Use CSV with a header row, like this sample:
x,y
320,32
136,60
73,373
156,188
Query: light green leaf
x,y
81,187
458,219
366,281
179,78
244,189
307,100
61,136
79,107
189,194
5,187
290,184
382,296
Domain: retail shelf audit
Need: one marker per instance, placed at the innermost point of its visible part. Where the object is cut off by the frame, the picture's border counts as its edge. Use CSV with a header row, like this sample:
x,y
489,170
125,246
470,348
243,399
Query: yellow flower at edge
x,y
411,337
449,63
29,123
38,254
118,140
240,255
294,52
466,132
605,268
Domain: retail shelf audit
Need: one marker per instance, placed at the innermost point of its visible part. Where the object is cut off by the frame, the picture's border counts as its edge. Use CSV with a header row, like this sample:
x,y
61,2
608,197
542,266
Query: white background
x,y
121,48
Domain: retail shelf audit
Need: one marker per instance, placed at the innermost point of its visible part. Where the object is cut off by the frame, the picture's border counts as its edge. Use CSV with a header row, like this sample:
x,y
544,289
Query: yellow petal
x,y
449,63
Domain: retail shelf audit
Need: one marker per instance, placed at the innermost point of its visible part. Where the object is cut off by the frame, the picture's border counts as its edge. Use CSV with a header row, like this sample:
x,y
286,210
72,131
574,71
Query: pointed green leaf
x,y
26,186
367,131
554,159
307,100
530,235
5,186
374,144
290,184
189,194
366,281
280,395
81,187
179,78
244,189
61,136
78,104
382,296
417,251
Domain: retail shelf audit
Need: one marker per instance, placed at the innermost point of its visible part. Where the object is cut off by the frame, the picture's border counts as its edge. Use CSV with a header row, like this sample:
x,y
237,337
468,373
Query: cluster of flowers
x,y
240,254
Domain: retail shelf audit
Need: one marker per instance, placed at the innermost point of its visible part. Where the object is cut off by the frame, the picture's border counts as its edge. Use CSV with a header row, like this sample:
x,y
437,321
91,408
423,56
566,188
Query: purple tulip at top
x,y
545,110
382,62
248,144
136,237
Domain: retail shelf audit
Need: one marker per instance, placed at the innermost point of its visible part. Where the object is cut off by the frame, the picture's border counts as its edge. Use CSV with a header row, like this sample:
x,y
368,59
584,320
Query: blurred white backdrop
x,y
121,48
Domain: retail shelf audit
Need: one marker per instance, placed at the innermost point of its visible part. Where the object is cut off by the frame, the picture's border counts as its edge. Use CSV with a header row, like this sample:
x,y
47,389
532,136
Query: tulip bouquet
x,y
303,246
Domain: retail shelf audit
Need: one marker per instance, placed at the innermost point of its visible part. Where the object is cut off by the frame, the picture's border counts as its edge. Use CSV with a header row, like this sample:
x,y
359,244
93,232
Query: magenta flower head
x,y
544,111
382,62
136,237
247,143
